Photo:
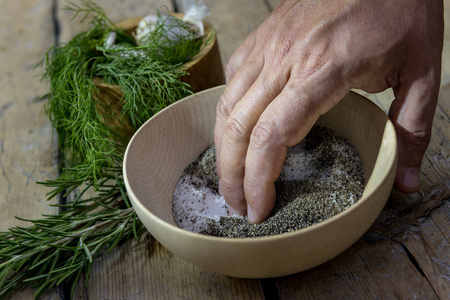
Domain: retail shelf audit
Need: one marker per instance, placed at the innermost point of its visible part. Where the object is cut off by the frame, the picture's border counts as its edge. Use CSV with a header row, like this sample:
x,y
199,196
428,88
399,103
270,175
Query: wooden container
x,y
205,71
161,149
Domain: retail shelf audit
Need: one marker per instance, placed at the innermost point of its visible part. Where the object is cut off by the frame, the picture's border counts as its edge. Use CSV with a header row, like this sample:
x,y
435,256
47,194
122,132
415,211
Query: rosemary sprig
x,y
59,248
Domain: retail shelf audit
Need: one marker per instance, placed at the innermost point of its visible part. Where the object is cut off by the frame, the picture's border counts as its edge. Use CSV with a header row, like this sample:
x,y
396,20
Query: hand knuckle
x,y
264,134
224,106
228,185
250,182
235,130
314,61
230,68
279,49
417,139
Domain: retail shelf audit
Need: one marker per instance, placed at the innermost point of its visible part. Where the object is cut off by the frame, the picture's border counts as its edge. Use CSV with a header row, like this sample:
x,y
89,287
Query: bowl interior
x,y
172,139
163,147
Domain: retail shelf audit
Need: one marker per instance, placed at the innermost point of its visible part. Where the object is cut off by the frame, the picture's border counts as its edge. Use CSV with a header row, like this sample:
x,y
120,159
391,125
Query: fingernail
x,y
250,215
410,177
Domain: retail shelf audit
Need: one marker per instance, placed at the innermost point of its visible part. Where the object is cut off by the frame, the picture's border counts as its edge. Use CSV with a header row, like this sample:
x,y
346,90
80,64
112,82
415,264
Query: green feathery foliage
x,y
59,248
149,77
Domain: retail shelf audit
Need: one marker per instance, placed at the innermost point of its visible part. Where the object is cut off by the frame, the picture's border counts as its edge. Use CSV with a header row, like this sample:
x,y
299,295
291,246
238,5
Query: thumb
x,y
412,113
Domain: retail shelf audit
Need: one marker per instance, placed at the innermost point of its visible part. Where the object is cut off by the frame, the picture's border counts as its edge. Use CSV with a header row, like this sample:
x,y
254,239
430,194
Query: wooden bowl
x,y
161,149
204,70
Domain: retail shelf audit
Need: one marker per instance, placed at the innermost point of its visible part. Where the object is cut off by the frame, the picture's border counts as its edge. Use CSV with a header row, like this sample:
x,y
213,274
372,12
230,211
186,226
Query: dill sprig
x,y
149,77
59,248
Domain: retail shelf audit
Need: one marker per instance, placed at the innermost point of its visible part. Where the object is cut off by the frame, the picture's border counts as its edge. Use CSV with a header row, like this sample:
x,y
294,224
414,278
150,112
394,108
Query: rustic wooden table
x,y
404,255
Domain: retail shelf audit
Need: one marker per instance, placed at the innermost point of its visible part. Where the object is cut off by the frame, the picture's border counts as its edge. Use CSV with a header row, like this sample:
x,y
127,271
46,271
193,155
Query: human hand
x,y
300,62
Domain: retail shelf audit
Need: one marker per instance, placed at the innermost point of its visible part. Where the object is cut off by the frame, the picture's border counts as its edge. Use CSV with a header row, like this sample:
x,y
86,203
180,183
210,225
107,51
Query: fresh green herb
x,y
149,77
58,249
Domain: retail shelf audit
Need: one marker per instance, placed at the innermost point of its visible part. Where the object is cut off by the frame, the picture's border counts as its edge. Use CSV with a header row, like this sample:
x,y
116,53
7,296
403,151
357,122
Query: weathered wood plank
x,y
366,271
422,241
441,218
26,146
234,21
145,269
436,164
116,11
419,223
27,150
427,230
446,53
429,246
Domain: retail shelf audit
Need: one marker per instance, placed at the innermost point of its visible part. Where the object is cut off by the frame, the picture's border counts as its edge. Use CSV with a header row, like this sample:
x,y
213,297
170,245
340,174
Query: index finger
x,y
236,137
245,72
284,123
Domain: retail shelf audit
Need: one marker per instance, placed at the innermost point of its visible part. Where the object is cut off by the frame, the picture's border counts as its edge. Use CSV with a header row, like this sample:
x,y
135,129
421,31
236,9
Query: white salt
x,y
297,165
194,202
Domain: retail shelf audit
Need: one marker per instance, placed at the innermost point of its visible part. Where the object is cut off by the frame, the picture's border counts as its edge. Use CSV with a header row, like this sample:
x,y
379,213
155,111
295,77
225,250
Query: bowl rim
x,y
210,33
392,163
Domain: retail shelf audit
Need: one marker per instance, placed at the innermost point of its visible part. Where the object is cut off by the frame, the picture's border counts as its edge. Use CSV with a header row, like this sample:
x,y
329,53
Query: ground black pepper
x,y
329,179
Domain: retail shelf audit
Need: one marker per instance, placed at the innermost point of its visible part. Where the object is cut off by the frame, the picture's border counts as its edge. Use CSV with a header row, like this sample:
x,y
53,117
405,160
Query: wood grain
x,y
417,223
446,52
404,255
365,271
115,10
427,241
27,151
144,269
234,21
